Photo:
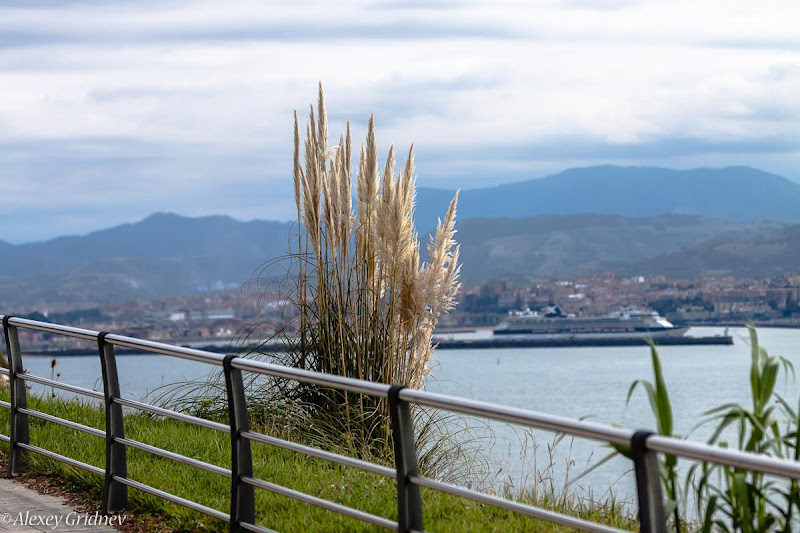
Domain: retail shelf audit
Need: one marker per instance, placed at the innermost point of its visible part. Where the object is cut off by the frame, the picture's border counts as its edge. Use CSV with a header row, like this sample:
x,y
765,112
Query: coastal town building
x,y
219,319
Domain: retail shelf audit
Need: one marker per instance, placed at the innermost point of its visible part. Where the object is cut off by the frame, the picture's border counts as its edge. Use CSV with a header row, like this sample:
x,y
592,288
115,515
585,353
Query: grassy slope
x,y
344,485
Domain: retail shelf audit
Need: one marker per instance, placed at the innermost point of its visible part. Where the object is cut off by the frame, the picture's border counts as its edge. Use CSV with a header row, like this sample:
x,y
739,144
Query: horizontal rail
x,y
256,528
119,340
172,498
58,329
5,438
714,454
62,386
174,456
561,424
316,378
322,454
196,420
529,510
58,457
5,371
319,502
166,349
5,404
66,423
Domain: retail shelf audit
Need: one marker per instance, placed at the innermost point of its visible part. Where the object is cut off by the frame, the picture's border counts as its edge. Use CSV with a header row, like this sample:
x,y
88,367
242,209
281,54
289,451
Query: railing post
x,y
19,400
243,498
648,485
115,494
409,501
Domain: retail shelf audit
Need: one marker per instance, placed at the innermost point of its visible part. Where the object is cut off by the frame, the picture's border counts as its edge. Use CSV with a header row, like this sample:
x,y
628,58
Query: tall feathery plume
x,y
384,227
297,168
331,227
408,187
345,195
312,126
301,286
367,182
337,176
367,186
347,183
322,129
406,199
312,187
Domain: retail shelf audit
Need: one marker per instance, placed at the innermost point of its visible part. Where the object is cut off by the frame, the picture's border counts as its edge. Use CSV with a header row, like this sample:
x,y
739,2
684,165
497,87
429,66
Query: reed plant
x,y
366,304
734,499
661,407
728,498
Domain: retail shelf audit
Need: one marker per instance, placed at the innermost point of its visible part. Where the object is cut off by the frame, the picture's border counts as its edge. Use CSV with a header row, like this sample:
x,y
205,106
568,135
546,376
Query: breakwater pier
x,y
578,342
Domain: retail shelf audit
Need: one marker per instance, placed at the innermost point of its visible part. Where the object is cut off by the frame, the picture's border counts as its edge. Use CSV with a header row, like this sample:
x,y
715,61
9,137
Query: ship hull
x,y
523,333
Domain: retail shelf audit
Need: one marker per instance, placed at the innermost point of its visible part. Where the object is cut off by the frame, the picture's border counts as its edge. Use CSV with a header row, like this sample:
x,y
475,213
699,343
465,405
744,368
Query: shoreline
x,y
471,344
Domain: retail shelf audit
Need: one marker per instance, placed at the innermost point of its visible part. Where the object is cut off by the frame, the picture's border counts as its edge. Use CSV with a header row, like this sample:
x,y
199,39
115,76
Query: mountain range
x,y
162,255
732,193
647,221
569,246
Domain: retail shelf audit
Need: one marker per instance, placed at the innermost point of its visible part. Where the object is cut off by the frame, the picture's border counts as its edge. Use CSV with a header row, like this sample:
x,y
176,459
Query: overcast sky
x,y
113,110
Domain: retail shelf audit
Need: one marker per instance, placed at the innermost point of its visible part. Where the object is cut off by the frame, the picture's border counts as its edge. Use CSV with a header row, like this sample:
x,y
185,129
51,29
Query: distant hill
x,y
550,246
167,254
770,254
158,236
733,193
162,255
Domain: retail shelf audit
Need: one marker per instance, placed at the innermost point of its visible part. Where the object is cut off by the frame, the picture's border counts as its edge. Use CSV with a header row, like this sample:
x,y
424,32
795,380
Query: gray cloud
x,y
435,5
602,5
57,5
752,44
287,32
112,112
574,148
398,101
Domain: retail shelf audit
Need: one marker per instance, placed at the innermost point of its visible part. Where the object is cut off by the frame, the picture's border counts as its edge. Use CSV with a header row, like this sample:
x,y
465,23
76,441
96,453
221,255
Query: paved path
x,y
22,509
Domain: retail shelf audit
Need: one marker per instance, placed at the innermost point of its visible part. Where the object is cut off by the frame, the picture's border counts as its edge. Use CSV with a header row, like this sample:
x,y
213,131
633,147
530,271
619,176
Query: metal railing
x,y
242,516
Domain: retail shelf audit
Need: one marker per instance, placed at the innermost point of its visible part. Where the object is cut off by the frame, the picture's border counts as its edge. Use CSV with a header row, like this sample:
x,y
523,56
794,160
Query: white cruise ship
x,y
554,324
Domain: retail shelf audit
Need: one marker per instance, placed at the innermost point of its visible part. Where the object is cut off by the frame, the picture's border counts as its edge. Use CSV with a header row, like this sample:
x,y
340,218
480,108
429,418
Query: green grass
x,y
343,485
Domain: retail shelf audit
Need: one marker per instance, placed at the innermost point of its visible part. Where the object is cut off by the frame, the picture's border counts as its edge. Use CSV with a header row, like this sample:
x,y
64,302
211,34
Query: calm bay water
x,y
594,382
573,382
